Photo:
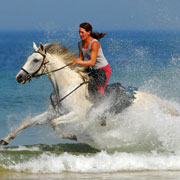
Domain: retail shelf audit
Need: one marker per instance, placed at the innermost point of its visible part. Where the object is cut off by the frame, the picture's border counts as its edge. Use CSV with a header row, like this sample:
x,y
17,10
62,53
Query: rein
x,y
31,75
73,91
53,70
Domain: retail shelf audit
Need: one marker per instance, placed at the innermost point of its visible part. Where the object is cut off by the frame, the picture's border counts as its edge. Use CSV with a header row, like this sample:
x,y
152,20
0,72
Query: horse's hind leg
x,y
171,110
37,120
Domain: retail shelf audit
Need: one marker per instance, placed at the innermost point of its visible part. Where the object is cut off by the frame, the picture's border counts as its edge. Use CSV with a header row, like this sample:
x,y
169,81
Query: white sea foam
x,y
20,148
100,162
136,129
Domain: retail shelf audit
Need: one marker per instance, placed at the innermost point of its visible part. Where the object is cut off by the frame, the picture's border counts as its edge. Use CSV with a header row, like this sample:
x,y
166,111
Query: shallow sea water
x,y
149,146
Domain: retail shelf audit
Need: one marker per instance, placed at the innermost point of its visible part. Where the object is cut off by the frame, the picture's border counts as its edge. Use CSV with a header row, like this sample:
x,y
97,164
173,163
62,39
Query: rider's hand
x,y
76,61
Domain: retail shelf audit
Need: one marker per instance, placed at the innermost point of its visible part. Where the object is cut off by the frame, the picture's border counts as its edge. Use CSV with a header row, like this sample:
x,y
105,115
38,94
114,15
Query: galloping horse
x,y
70,101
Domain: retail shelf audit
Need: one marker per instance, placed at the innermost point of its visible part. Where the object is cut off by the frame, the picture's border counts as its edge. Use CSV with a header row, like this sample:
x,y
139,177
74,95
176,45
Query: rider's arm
x,y
90,62
80,52
81,57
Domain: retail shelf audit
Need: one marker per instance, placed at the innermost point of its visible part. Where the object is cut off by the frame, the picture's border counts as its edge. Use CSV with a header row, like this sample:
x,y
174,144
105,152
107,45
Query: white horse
x,y
70,101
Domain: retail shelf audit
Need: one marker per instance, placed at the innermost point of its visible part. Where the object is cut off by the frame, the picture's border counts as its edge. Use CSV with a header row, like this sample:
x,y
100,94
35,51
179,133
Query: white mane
x,y
68,57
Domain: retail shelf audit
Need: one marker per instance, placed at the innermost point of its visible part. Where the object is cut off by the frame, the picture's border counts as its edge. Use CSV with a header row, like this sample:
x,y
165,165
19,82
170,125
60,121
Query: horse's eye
x,y
35,60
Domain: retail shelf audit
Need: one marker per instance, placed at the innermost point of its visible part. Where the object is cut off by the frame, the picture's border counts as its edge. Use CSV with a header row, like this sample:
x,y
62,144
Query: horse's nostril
x,y
19,78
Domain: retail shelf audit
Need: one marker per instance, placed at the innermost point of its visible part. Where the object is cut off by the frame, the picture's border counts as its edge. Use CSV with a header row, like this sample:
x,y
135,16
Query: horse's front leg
x,y
37,120
68,118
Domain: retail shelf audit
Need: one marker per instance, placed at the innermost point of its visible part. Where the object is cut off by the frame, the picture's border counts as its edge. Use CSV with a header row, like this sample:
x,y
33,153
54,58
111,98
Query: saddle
x,y
120,97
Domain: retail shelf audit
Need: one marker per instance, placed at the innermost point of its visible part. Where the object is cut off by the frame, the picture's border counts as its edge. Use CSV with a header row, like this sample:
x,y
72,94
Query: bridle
x,y
43,64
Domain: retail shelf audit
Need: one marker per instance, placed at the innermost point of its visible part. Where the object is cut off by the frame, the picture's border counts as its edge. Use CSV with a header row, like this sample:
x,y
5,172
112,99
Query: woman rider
x,y
90,48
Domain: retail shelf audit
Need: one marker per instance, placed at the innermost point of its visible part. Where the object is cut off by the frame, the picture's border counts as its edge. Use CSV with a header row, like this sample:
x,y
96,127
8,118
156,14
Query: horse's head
x,y
34,65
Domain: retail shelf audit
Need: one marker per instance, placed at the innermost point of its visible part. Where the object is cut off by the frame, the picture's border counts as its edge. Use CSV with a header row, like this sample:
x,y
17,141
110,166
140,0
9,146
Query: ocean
x,y
148,141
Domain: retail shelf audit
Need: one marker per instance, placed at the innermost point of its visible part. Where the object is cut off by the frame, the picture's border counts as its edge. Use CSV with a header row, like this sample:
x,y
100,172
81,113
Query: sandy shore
x,y
150,175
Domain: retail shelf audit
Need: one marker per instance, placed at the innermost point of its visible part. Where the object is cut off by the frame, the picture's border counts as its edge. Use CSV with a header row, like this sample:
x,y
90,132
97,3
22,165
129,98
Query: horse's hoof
x,y
103,123
71,137
74,138
2,142
53,125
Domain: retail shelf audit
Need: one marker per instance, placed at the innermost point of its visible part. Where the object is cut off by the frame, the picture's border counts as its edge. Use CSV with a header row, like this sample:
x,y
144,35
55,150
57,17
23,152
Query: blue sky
x,y
102,14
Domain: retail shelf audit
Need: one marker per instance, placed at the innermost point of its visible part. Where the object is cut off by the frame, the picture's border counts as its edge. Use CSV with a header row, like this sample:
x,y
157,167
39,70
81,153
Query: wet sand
x,y
149,175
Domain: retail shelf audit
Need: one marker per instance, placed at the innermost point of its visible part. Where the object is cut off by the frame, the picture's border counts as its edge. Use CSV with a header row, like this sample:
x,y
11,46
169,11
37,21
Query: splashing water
x,y
145,128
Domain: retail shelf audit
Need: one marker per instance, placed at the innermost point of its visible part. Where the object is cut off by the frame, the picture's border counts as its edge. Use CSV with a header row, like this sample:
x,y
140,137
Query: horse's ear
x,y
35,47
42,48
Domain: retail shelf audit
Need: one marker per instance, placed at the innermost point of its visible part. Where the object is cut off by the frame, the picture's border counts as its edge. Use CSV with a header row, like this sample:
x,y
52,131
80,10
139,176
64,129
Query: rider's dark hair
x,y
87,26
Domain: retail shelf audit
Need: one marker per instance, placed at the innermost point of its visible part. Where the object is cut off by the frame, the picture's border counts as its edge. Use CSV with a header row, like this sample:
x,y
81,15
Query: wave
x,y
99,162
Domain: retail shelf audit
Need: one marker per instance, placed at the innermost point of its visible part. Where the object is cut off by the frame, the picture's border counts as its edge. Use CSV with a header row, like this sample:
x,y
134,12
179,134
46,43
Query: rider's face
x,y
83,33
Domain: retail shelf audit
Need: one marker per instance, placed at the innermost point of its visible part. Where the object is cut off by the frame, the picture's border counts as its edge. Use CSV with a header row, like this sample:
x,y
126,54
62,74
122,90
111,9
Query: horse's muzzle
x,y
20,79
